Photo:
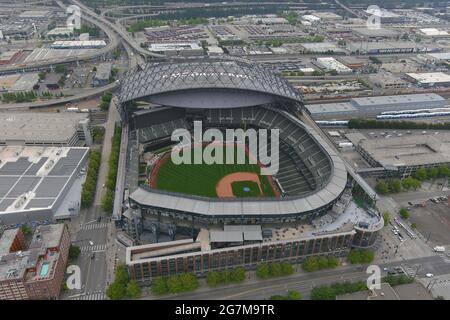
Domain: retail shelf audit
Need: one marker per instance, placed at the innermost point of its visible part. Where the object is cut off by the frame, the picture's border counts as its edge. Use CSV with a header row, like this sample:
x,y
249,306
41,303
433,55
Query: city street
x,y
95,260
304,282
92,260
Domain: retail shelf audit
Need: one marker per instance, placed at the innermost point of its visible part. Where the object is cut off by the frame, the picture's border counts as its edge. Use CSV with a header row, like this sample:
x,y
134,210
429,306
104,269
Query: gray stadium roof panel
x,y
161,78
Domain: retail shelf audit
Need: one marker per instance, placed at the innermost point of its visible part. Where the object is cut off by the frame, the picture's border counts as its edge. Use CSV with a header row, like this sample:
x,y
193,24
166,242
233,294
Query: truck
x,y
439,249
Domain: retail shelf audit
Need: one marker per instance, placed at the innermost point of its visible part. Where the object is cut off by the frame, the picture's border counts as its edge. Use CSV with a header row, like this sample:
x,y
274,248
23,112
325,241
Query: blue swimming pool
x,y
44,269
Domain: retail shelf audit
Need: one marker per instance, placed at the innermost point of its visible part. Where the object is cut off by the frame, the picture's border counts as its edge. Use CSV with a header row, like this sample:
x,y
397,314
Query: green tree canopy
x,y
133,290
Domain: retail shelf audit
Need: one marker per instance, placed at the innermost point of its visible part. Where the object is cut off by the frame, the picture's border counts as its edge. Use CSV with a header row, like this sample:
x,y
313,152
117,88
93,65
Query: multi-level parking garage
x,y
231,94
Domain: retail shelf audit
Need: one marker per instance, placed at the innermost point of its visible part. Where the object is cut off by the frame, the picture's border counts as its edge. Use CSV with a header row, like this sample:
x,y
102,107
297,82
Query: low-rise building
x,y
177,49
352,62
429,79
9,56
37,271
321,47
373,106
215,51
387,81
102,75
37,183
44,129
434,33
61,32
330,64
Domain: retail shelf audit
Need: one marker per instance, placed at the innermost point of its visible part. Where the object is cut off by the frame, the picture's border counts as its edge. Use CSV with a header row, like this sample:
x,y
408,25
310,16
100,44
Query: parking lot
x,y
433,221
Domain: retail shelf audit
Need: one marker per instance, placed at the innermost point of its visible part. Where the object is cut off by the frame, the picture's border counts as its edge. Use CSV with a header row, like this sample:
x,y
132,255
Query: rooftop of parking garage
x,y
411,150
39,126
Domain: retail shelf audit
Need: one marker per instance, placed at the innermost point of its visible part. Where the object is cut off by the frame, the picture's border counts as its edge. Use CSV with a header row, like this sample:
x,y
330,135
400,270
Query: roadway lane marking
x,y
94,248
94,226
91,296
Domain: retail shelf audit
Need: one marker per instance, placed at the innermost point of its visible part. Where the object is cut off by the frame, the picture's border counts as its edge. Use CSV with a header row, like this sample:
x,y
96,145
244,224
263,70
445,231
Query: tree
x,y
386,217
294,295
159,286
407,183
275,269
310,264
421,174
133,290
60,68
262,271
323,293
322,262
116,291
432,173
444,171
333,262
382,187
413,225
26,230
213,278
74,252
238,274
404,213
361,256
286,268
394,186
42,74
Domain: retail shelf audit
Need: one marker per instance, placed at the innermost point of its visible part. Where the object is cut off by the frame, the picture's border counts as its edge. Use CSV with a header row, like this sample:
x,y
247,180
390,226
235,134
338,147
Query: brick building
x,y
37,271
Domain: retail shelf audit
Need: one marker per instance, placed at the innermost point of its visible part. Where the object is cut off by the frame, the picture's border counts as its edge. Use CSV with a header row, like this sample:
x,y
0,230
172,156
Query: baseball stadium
x,y
223,95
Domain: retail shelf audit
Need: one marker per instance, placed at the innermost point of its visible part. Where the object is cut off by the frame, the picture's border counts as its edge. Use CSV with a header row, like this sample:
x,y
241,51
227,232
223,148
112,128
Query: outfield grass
x,y
238,189
201,179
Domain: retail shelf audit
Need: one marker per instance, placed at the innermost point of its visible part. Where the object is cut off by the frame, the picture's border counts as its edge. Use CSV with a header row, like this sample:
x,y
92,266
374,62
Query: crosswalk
x,y
94,248
91,296
94,226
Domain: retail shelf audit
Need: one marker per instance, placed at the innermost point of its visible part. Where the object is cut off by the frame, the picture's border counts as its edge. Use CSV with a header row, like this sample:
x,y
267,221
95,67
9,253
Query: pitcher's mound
x,y
239,184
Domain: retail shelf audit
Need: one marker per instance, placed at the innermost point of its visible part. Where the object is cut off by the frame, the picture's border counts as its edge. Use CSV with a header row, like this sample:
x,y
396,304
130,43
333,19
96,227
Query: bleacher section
x,y
160,131
303,165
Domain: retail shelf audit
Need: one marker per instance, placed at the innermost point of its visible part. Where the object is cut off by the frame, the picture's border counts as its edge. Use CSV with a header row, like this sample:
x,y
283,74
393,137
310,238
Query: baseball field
x,y
214,180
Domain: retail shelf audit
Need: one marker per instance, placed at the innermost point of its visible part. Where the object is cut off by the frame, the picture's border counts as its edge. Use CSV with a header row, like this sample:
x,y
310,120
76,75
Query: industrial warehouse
x,y
373,106
45,129
35,180
404,154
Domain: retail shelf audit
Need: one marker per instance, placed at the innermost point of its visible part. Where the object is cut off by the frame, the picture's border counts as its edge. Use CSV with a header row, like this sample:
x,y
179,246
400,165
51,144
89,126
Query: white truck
x,y
439,249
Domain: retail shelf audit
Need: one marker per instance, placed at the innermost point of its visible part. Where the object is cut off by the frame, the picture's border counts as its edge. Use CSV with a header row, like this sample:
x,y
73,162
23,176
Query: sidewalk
x,y
106,151
110,253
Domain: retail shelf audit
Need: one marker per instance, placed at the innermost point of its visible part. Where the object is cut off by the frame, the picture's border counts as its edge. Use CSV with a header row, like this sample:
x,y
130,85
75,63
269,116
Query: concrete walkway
x,y
113,116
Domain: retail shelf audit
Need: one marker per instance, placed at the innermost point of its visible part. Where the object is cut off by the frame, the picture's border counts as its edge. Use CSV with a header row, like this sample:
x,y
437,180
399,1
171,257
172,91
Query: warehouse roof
x,y
35,177
430,77
330,108
368,102
38,126
408,150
